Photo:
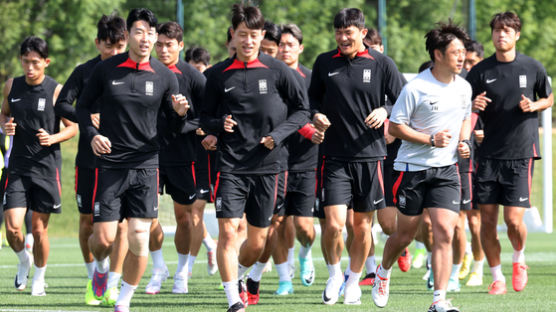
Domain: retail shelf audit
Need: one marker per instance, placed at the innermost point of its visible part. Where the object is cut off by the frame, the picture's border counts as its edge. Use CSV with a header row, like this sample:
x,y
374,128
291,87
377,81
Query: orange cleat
x,y
519,276
404,261
497,288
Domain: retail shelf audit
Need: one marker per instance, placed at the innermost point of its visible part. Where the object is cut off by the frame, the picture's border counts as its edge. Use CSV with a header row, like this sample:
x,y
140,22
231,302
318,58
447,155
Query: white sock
x,y
370,264
304,252
29,240
191,262
90,269
39,273
438,295
290,254
468,249
241,269
209,243
102,265
22,255
478,266
126,292
113,280
497,273
382,272
519,256
256,272
231,290
353,279
419,245
334,270
348,269
429,258
158,259
455,271
283,272
182,263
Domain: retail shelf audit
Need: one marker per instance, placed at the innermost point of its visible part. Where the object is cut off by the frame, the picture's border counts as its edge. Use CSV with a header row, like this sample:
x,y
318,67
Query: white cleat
x,y
159,275
180,284
22,275
332,291
37,289
381,291
212,266
352,295
442,306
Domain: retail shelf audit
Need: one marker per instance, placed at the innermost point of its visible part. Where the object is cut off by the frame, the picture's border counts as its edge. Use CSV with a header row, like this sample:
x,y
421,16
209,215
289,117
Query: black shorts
x,y
319,208
300,196
205,174
389,175
84,188
430,188
254,195
357,183
505,182
467,198
179,183
280,207
125,193
38,194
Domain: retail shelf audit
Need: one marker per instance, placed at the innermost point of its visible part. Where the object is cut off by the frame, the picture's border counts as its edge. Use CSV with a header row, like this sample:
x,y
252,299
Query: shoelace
x,y
383,284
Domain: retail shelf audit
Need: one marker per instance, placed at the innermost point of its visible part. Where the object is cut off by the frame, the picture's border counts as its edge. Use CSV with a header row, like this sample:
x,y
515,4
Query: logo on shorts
x,y
522,199
56,206
191,196
218,204
522,81
41,104
4,200
366,75
149,88
79,202
377,201
466,201
455,202
96,210
203,191
401,202
322,195
263,88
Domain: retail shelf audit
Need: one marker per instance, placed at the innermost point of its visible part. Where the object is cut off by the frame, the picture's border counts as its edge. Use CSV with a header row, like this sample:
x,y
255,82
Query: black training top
x,y
265,99
347,91
64,108
509,132
130,96
32,108
179,148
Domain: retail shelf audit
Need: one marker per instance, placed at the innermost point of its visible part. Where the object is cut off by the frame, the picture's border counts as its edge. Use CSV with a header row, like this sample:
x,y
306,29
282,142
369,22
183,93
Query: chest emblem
x,y
522,81
41,104
149,88
263,88
366,75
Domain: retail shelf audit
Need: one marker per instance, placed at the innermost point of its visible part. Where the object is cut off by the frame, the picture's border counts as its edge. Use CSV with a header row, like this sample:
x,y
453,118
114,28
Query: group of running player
x,y
337,143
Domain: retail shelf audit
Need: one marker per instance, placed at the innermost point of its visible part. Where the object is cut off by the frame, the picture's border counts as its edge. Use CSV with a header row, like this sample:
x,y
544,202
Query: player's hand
x,y
463,150
479,136
376,118
318,137
526,105
180,104
321,122
9,126
200,132
95,119
480,102
101,145
209,142
442,138
45,139
229,124
268,142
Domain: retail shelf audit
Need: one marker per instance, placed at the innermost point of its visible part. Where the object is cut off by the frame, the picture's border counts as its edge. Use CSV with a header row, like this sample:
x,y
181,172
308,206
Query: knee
x,y
335,229
226,236
138,236
405,238
305,231
443,235
474,224
388,228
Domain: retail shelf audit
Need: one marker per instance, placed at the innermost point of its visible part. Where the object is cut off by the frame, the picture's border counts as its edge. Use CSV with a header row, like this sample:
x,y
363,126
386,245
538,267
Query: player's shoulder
x,y
49,81
463,84
220,66
528,61
327,56
272,63
304,69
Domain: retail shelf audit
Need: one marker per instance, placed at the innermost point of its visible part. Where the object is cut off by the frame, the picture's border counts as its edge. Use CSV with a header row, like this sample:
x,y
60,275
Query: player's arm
x,y
68,132
7,122
529,106
464,145
395,81
316,94
197,92
64,104
211,122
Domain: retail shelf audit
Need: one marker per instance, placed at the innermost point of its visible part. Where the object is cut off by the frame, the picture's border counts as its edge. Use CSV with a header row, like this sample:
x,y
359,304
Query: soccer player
x,y
253,103
475,53
271,40
509,89
347,94
432,117
177,162
130,88
198,57
34,172
110,41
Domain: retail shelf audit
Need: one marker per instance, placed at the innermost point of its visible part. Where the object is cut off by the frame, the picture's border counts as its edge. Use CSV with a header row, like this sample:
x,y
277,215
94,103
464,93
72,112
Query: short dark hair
x,y
272,32
229,35
293,30
34,44
197,55
509,19
111,28
474,46
372,37
171,30
349,17
426,65
250,15
440,37
141,14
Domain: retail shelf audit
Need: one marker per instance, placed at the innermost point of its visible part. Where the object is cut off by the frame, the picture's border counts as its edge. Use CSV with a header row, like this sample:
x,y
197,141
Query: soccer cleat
x,y
381,291
352,295
180,284
453,285
475,279
89,295
332,290
419,258
284,288
426,275
404,261
430,281
291,266
99,284
497,288
158,276
37,288
466,264
252,292
343,287
306,271
442,306
22,275
110,297
243,292
212,266
267,267
121,308
519,276
237,307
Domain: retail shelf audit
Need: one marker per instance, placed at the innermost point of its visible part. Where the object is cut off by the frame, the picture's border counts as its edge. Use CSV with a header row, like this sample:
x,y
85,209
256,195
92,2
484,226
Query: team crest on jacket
x,y
263,88
523,81
149,88
366,75
41,104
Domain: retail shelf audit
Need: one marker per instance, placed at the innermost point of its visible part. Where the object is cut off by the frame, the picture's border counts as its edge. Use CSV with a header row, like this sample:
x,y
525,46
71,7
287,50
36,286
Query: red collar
x,y
237,64
129,63
364,54
174,69
300,72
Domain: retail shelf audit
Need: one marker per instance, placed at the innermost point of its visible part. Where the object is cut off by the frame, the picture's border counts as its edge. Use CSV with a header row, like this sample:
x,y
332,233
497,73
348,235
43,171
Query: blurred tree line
x,y
69,26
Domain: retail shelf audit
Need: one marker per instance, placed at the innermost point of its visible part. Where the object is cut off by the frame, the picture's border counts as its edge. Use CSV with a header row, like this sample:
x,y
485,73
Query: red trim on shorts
x,y
459,178
275,189
396,186
6,184
158,184
213,196
322,171
380,179
58,183
285,182
530,178
193,173
535,151
76,176
94,191
470,186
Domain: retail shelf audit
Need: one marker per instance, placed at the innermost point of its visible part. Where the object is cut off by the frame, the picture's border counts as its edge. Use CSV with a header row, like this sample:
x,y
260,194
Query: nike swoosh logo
x,y
333,74
455,202
203,191
226,90
117,83
57,206
191,196
491,80
15,100
324,297
377,201
466,201
521,199
432,103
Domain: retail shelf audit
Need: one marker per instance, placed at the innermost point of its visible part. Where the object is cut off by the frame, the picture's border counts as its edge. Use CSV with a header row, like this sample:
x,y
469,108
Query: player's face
x,y
247,42
504,38
231,47
471,59
350,40
289,49
33,65
269,47
377,47
168,50
108,49
141,39
201,67
453,57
